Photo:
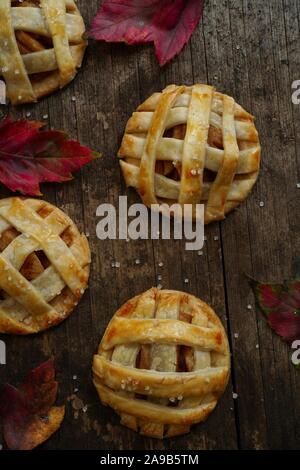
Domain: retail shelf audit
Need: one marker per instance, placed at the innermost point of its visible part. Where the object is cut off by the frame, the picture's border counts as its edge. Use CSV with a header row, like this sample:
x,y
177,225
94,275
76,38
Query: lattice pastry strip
x,y
127,355
44,295
163,367
191,145
55,16
41,46
163,358
33,21
198,360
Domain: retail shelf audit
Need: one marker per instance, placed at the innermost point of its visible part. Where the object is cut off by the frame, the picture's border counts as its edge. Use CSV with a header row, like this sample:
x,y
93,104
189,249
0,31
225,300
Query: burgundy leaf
x,y
286,325
29,156
281,304
167,23
28,414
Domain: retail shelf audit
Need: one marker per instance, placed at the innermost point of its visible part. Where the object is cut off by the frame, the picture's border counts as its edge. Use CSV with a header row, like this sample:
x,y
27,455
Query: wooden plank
x,y
236,245
249,50
273,240
291,20
268,246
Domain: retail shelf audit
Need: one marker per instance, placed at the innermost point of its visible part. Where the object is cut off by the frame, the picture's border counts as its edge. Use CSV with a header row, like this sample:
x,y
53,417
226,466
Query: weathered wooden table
x,y
250,50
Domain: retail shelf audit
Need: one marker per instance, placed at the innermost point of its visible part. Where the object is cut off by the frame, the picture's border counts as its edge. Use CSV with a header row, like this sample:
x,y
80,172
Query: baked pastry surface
x,y
44,265
41,46
163,363
191,145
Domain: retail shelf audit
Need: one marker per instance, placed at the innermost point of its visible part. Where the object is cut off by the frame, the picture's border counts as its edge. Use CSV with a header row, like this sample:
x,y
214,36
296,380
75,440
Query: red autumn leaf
x,y
281,304
167,23
30,156
29,417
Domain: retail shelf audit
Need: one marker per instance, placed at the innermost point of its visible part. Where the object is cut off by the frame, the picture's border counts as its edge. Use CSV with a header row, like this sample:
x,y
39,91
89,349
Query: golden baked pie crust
x,y
191,145
41,47
44,265
163,363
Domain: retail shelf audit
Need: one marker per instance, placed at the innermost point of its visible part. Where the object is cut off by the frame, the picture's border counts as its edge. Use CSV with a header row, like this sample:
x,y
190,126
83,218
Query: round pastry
x,y
44,265
191,145
41,46
163,363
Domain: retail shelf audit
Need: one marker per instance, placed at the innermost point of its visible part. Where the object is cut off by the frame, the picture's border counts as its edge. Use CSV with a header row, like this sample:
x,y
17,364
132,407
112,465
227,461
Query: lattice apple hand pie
x,y
163,363
44,265
191,145
41,46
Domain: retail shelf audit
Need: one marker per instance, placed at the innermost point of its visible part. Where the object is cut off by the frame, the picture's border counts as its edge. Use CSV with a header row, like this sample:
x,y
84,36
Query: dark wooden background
x,y
250,50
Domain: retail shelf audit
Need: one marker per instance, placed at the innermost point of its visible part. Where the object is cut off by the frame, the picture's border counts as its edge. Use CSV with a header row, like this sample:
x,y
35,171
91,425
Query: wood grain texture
x,y
247,49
